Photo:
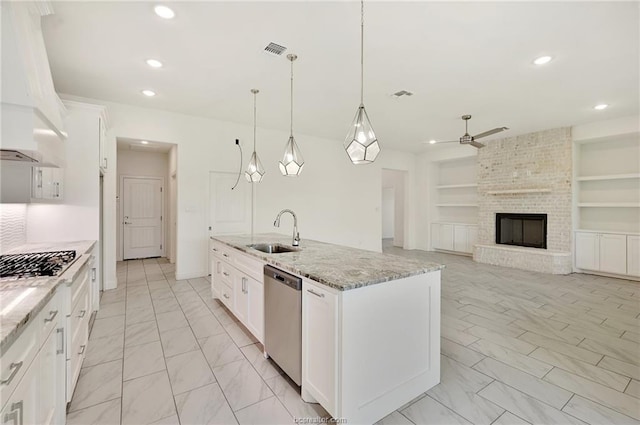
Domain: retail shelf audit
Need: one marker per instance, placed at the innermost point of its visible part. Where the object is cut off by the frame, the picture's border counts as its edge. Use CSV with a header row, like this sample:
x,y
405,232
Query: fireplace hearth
x,y
528,230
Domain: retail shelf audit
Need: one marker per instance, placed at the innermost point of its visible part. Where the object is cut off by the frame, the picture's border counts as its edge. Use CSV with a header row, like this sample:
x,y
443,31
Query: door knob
x,y
127,222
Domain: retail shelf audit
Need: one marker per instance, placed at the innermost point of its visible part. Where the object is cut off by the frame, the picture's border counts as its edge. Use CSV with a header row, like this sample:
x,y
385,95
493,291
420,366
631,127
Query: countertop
x,y
336,266
33,294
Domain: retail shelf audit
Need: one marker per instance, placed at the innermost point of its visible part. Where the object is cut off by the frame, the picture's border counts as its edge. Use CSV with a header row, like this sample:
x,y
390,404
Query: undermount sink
x,y
272,248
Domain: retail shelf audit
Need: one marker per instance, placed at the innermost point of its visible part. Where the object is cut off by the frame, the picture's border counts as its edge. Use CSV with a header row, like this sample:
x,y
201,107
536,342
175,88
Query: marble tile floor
x,y
517,347
163,352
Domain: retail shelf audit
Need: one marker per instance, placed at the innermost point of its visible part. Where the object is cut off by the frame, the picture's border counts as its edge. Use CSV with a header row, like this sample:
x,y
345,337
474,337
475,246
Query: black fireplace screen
x,y
528,230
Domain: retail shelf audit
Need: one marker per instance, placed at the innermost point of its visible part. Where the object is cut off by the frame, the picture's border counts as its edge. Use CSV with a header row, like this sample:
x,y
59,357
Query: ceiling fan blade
x,y
447,141
490,132
477,144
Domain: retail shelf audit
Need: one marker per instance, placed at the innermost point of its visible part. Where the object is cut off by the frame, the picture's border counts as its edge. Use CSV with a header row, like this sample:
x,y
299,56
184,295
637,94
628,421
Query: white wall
x,y
335,200
141,164
397,180
173,202
388,210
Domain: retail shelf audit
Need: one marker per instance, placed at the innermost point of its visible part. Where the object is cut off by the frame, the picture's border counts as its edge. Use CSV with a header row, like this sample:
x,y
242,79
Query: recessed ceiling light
x,y
149,93
154,63
601,106
144,142
164,12
432,142
542,60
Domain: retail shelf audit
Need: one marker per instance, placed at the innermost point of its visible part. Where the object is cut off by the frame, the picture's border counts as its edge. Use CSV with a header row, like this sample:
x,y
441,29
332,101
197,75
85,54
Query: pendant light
x,y
255,170
292,161
361,143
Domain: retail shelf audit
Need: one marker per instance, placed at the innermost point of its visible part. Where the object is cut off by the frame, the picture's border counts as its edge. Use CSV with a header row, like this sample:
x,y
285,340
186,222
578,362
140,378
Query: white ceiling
x,y
458,58
125,144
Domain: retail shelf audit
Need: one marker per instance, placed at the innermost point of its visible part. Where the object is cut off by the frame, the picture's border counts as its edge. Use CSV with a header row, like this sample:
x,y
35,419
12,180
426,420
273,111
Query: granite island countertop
x,y
336,266
21,300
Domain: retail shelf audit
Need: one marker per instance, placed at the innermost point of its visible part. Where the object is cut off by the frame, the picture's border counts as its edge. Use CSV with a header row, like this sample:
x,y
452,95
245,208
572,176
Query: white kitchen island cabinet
x,y
370,321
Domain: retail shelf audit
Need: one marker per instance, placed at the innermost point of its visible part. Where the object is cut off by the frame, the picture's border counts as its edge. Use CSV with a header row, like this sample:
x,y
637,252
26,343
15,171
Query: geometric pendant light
x,y
255,170
361,143
292,161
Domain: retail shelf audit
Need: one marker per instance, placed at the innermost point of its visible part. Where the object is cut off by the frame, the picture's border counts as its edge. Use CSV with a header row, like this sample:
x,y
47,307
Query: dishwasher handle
x,y
285,278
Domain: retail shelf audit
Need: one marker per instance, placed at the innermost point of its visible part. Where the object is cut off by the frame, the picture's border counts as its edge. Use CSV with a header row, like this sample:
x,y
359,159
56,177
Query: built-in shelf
x,y
456,186
518,191
610,204
456,205
609,177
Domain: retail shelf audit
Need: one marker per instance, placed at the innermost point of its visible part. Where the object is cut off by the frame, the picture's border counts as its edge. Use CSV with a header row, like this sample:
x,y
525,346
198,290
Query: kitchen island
x,y
370,321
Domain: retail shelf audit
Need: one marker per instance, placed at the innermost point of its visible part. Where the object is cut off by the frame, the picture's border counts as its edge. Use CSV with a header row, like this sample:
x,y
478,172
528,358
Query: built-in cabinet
x,y
454,209
607,199
607,252
459,238
237,280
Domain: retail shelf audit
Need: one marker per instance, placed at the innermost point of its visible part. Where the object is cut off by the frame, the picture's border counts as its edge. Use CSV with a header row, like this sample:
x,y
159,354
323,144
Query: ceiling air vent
x,y
275,49
401,93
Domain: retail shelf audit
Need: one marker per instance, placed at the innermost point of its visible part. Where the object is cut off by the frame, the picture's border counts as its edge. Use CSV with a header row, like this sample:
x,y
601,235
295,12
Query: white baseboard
x,y
191,275
110,284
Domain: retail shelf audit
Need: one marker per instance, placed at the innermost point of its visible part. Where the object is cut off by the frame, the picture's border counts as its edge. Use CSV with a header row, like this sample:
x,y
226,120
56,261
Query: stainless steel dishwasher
x,y
283,321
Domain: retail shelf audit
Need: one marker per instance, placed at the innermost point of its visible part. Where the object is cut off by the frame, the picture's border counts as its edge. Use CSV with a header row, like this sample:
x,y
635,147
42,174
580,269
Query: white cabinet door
x,y
240,297
633,255
587,251
320,344
613,253
460,238
216,277
48,381
255,312
48,183
22,406
443,236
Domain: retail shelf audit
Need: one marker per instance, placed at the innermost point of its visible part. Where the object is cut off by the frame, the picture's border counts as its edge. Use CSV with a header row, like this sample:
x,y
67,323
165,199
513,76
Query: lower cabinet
x,y
606,252
454,237
239,291
319,343
33,386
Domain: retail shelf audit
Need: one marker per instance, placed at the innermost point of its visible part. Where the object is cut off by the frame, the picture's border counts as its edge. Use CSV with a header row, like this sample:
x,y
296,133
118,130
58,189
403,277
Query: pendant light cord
x,y
292,59
254,121
361,52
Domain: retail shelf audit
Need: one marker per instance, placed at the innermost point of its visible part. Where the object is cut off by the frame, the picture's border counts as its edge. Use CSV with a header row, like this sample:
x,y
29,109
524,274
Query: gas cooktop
x,y
23,266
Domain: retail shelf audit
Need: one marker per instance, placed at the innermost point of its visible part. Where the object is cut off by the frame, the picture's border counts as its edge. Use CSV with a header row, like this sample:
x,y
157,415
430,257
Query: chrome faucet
x,y
296,235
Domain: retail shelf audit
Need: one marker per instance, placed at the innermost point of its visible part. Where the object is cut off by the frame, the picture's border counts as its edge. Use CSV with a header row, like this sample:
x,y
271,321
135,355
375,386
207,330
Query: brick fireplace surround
x,y
531,173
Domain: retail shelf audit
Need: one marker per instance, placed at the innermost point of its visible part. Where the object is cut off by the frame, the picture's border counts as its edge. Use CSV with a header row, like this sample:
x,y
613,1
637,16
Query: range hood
x,y
13,155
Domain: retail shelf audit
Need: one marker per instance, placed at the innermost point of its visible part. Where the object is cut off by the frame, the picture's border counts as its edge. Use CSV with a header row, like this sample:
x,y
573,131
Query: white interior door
x,y
142,217
229,210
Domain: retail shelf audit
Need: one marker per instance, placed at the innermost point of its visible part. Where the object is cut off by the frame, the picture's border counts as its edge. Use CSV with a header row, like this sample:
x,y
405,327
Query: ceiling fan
x,y
466,139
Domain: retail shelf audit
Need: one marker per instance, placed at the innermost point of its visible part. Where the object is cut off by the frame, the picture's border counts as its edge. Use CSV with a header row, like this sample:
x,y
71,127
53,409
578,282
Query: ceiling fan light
x,y
361,142
292,160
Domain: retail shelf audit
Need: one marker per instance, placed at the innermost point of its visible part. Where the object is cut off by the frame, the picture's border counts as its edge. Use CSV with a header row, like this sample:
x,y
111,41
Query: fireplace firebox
x,y
529,230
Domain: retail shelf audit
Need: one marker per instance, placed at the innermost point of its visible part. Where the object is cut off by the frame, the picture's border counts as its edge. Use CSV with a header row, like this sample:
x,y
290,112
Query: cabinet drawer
x,y
226,274
251,266
49,316
226,296
74,363
79,284
79,319
17,359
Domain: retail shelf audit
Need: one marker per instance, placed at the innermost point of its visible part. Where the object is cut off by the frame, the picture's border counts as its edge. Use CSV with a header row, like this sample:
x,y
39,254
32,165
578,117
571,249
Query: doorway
x,y
393,207
142,213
